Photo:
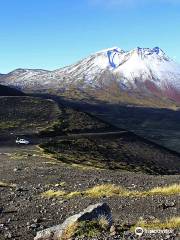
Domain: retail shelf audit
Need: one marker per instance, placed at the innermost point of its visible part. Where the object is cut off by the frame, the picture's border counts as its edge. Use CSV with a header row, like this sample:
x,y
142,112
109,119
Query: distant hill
x,y
142,76
8,91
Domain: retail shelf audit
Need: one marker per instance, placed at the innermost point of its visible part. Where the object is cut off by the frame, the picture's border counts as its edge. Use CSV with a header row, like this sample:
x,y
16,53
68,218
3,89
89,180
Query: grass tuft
x,y
86,229
3,184
103,222
69,231
111,190
73,194
51,194
172,223
167,190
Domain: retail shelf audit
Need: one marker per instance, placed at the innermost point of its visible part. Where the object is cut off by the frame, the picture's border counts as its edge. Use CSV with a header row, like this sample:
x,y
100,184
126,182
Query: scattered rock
x,y
1,210
93,212
7,235
37,220
21,189
112,231
2,226
167,204
16,169
34,226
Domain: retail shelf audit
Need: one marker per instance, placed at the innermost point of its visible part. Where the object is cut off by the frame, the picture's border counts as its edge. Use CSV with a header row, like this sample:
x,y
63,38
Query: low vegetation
x,y
86,229
69,232
93,229
73,121
116,96
172,223
51,194
19,156
167,190
111,190
3,184
124,151
26,113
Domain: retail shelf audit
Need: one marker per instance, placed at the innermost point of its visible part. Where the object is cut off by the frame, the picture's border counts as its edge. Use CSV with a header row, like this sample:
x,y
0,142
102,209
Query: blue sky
x,y
53,33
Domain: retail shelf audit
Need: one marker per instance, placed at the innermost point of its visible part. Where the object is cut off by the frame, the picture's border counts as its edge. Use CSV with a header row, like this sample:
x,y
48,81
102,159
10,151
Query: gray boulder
x,y
93,212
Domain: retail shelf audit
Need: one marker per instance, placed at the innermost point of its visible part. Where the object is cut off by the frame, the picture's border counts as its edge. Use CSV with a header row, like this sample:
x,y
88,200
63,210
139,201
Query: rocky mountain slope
x,y
7,91
140,72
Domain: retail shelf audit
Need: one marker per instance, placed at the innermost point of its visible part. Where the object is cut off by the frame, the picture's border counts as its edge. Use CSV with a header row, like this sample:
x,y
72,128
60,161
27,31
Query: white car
x,y
22,141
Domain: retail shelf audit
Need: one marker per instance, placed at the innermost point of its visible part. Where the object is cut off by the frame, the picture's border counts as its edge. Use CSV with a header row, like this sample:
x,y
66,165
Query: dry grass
x,y
111,190
73,194
51,160
167,190
172,223
85,167
69,231
86,229
51,194
3,184
92,229
103,222
18,156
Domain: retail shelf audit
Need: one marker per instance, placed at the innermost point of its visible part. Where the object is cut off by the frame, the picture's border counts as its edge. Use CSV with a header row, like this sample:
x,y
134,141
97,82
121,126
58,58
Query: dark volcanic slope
x,y
159,125
26,114
125,151
108,147
8,91
105,147
71,121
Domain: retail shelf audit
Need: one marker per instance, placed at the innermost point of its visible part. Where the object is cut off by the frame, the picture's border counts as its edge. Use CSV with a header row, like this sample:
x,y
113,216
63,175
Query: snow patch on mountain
x,y
137,70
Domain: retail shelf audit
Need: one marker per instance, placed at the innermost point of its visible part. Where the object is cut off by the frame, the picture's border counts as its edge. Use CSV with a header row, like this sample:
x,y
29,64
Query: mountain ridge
x,y
144,71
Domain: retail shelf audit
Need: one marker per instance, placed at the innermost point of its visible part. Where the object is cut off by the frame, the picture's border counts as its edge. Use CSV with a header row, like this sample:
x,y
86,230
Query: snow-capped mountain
x,y
142,70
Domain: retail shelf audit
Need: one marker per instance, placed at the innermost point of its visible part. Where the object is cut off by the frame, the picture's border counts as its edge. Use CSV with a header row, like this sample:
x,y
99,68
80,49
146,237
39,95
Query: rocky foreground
x,y
26,173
